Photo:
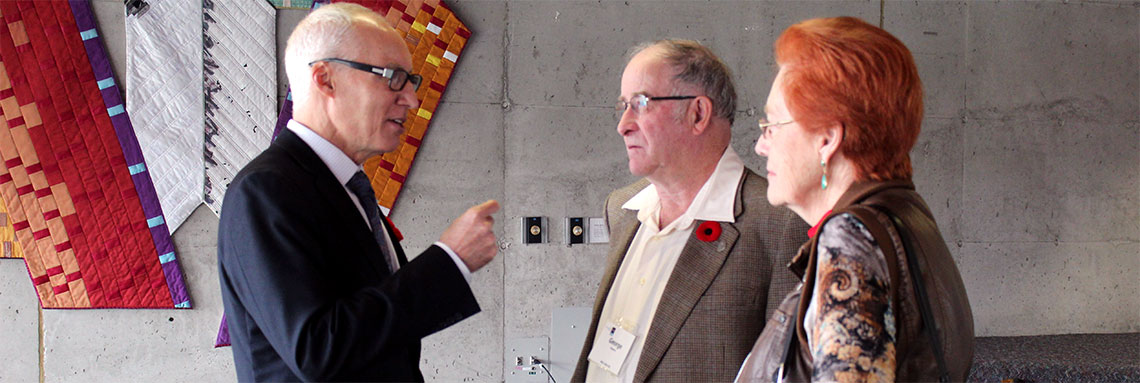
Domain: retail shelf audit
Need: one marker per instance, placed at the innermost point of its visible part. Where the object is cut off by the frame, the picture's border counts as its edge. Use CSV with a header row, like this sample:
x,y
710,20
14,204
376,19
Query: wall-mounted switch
x,y
597,230
534,230
575,231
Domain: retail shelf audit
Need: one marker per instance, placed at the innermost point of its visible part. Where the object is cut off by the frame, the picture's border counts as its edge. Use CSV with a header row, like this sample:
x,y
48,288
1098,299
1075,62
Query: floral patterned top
x,y
850,323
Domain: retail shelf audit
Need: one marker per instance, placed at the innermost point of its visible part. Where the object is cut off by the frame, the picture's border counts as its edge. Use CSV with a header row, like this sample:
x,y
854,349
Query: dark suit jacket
x,y
719,294
307,292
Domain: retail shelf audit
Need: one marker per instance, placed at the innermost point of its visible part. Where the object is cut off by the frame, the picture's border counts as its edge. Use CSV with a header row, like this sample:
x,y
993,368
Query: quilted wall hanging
x,y
8,246
201,84
436,38
77,191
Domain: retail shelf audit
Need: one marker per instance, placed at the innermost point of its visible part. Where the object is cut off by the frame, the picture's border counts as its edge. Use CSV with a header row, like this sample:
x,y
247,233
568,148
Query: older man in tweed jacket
x,y
697,257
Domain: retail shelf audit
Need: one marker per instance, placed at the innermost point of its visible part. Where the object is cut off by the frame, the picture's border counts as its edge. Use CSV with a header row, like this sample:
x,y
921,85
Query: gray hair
x,y
322,34
697,65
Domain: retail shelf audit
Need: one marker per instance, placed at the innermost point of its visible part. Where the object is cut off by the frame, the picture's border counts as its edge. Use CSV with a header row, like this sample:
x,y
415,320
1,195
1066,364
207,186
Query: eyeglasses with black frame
x,y
765,132
397,77
639,102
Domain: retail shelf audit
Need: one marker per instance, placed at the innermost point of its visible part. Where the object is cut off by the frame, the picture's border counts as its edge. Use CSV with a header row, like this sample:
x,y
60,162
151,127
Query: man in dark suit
x,y
314,283
697,255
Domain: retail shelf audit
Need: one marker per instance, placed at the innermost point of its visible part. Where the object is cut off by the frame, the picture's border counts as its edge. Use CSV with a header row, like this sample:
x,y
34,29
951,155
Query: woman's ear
x,y
829,141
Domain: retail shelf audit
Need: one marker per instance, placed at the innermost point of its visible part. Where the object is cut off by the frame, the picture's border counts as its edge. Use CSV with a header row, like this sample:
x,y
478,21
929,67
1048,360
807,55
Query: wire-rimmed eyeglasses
x,y
766,133
639,102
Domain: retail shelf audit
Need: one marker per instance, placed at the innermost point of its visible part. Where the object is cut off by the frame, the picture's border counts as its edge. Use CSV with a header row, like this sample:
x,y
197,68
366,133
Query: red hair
x,y
846,71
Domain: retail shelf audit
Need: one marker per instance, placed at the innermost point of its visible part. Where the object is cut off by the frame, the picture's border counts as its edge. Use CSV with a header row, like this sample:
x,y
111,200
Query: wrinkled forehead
x,y
647,73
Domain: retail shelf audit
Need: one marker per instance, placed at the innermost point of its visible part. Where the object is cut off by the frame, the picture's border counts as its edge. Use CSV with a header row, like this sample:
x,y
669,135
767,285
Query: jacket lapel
x,y
345,210
400,256
697,267
629,225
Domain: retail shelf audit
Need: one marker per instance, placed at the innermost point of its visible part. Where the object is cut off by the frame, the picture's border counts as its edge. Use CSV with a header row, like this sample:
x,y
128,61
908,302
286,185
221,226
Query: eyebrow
x,y
620,97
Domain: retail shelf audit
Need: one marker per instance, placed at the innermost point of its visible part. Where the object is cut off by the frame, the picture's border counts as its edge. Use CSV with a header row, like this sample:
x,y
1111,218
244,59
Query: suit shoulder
x,y
269,174
754,198
619,197
624,194
271,163
754,188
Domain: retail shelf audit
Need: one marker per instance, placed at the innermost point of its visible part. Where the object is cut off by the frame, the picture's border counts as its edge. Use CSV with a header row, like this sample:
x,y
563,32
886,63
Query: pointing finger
x,y
487,208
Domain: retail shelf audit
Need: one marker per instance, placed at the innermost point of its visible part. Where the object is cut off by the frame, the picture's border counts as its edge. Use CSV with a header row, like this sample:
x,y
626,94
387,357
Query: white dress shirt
x,y
343,168
652,255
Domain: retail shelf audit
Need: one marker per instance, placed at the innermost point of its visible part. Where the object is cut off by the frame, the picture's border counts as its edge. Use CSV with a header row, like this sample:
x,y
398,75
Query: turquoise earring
x,y
823,181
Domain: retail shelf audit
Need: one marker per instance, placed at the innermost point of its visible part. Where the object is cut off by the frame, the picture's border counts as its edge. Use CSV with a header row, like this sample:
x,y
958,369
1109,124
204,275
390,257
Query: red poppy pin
x,y
708,231
399,236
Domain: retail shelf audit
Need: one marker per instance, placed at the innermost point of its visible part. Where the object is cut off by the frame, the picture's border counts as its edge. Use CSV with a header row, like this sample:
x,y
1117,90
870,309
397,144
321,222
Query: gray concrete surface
x,y
19,323
108,345
1029,157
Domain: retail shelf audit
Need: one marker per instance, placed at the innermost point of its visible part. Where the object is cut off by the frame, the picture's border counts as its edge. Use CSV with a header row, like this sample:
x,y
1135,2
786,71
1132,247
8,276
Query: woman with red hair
x,y
881,298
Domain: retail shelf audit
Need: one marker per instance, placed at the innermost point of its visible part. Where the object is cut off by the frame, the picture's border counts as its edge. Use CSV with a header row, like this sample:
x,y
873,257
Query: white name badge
x,y
611,353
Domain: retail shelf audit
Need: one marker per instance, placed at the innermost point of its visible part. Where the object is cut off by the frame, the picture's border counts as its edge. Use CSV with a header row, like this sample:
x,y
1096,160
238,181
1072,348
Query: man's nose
x,y
626,121
408,96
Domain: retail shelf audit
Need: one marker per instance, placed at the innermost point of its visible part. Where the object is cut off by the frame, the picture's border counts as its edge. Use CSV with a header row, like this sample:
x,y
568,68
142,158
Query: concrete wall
x,y
1029,156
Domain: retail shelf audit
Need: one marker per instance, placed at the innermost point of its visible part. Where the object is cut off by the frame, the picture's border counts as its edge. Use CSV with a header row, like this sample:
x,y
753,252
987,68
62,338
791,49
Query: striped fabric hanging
x,y
78,196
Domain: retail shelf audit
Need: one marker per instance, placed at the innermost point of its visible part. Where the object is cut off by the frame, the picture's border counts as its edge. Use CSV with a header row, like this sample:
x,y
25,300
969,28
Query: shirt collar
x,y
715,200
338,163
814,229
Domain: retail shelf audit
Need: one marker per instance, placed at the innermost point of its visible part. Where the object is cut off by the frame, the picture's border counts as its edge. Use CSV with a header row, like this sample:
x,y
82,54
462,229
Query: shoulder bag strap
x,y
931,327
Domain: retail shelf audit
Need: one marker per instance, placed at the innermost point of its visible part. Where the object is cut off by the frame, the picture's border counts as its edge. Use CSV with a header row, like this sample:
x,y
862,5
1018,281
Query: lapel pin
x,y
708,231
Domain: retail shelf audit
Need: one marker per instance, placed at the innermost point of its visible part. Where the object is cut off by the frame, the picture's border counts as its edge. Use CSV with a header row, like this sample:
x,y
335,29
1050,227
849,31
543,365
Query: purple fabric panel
x,y
223,334
285,115
105,92
132,153
174,276
158,230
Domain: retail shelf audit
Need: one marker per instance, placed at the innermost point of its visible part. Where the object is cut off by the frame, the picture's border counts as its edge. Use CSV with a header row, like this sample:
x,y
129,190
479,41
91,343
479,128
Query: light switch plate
x,y
596,230
534,230
575,231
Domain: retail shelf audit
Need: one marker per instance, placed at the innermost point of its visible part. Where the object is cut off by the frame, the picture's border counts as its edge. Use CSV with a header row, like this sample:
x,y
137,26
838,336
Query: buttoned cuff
x,y
458,262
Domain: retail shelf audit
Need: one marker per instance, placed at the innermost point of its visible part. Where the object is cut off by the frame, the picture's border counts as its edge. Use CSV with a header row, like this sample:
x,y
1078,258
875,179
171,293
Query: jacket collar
x,y
340,165
858,192
861,190
311,163
718,198
302,153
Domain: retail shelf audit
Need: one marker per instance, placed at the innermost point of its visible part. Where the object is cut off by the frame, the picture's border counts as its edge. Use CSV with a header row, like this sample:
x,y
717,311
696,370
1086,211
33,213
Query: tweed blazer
x,y
719,294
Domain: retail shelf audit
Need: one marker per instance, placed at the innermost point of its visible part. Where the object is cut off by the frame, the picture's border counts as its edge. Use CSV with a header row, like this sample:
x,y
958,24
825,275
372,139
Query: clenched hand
x,y
471,235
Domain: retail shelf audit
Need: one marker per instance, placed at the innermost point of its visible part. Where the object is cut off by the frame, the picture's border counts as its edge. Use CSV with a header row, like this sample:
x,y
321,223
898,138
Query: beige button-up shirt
x,y
637,288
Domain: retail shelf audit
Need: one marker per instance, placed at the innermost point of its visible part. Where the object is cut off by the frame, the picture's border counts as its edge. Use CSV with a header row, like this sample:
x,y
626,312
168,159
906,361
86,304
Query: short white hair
x,y
324,33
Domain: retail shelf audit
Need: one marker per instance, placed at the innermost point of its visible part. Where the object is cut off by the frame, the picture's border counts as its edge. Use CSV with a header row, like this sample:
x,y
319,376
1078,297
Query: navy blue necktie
x,y
362,188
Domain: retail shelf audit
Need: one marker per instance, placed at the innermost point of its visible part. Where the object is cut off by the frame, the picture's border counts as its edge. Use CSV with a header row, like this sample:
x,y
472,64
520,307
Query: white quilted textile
x,y
164,99
201,83
241,84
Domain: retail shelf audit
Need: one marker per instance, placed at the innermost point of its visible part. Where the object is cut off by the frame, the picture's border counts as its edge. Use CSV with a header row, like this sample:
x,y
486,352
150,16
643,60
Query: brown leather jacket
x,y
949,306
